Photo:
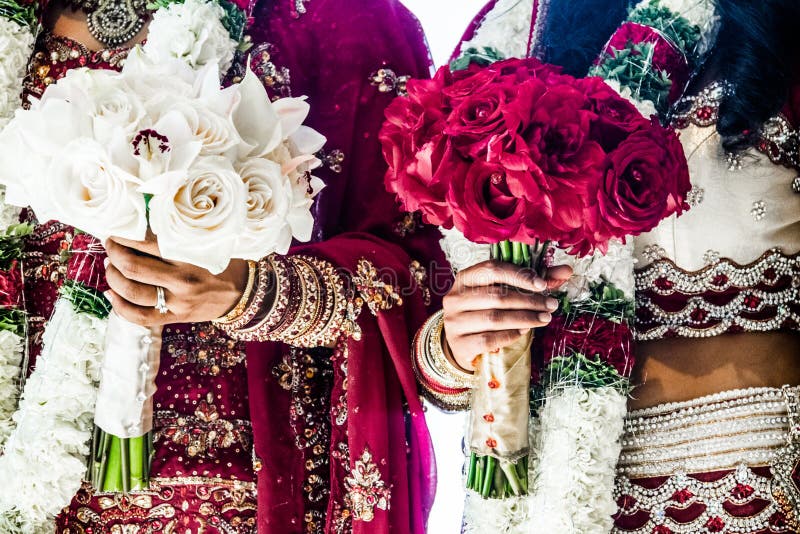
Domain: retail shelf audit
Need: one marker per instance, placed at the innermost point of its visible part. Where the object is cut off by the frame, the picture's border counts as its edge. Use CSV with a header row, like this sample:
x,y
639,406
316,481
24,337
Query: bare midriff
x,y
674,370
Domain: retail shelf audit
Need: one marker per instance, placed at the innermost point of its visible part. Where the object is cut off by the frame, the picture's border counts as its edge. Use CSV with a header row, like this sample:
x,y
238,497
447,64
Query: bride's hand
x,y
135,269
493,303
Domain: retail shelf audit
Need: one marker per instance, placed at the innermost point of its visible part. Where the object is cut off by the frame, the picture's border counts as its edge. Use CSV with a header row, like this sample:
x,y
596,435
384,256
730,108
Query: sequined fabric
x,y
730,263
710,465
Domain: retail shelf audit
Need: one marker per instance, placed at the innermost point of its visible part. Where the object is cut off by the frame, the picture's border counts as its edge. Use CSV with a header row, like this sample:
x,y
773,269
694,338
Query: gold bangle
x,y
241,306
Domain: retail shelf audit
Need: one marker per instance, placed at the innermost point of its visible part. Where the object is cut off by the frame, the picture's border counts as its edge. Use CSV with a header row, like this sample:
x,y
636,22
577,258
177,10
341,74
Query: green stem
x,y
516,253
137,462
473,460
505,251
511,475
100,467
125,464
113,476
488,477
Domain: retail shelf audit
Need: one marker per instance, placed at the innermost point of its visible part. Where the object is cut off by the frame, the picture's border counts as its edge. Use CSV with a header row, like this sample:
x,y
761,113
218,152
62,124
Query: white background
x,y
444,22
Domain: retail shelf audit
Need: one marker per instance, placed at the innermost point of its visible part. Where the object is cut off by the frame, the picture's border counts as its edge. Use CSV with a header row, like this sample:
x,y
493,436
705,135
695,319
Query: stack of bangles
x,y
444,384
309,308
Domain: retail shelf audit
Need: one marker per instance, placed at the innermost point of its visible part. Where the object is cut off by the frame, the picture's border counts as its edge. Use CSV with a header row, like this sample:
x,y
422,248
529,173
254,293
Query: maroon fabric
x,y
373,406
738,504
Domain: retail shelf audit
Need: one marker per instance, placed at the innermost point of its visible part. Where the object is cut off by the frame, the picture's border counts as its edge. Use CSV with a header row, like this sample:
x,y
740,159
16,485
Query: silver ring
x,y
161,301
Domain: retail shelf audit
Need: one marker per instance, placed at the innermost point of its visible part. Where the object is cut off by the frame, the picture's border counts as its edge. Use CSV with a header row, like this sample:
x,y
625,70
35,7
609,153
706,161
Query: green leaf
x,y
480,56
578,370
85,299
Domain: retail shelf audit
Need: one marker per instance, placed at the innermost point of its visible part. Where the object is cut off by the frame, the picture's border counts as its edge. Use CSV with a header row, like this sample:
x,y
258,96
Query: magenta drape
x,y
331,53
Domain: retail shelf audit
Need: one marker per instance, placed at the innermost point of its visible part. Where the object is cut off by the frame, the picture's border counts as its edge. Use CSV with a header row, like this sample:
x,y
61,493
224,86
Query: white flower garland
x,y
574,440
576,451
11,352
505,28
16,42
48,449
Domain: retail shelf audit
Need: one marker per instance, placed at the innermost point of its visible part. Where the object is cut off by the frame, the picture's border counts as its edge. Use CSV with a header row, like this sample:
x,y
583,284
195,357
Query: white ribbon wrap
x,y
128,378
501,402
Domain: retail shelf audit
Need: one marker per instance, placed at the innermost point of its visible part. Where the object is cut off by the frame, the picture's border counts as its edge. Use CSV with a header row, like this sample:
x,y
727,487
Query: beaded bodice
x,y
730,263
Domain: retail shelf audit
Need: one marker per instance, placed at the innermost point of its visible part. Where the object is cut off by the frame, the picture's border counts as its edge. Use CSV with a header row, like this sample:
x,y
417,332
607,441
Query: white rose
x,y
210,127
88,190
269,196
193,32
198,218
116,108
166,79
27,146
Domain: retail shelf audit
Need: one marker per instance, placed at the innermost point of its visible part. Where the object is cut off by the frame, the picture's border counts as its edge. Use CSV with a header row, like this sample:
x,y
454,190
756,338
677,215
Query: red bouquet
x,y
518,155
518,151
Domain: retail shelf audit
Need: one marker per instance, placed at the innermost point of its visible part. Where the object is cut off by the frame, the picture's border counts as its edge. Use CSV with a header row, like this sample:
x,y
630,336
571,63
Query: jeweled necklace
x,y
113,22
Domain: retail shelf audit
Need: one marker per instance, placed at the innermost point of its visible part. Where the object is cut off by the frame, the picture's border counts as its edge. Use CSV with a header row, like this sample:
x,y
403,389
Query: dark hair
x,y
576,30
757,52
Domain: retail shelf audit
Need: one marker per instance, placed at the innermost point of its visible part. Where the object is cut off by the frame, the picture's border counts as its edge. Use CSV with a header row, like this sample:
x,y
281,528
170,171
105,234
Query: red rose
x,y
646,180
666,57
10,286
616,118
417,153
521,70
490,204
86,264
480,118
591,336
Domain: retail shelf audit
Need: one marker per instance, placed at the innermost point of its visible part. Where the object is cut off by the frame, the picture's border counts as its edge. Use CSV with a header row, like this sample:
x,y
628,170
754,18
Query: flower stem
x,y
138,460
125,463
113,475
491,464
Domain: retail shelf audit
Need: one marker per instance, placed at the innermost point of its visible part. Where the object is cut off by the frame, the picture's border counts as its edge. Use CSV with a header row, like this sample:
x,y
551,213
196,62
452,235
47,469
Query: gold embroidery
x,y
372,291
366,491
420,275
204,433
387,81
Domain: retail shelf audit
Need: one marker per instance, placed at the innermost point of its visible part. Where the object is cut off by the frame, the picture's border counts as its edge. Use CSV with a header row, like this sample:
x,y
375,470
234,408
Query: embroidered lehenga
x,y
288,437
728,462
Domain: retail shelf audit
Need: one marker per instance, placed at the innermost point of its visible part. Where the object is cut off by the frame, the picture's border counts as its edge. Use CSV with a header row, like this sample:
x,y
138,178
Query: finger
x,y
141,315
145,269
130,290
492,341
500,273
557,276
149,246
474,322
498,298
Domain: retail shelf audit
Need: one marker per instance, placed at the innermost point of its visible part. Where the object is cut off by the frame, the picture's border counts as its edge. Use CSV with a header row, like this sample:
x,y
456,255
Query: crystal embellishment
x,y
115,22
696,196
759,210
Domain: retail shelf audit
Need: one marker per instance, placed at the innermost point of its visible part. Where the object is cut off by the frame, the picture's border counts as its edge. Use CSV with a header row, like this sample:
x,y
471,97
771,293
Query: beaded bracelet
x,y
241,306
444,384
263,276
